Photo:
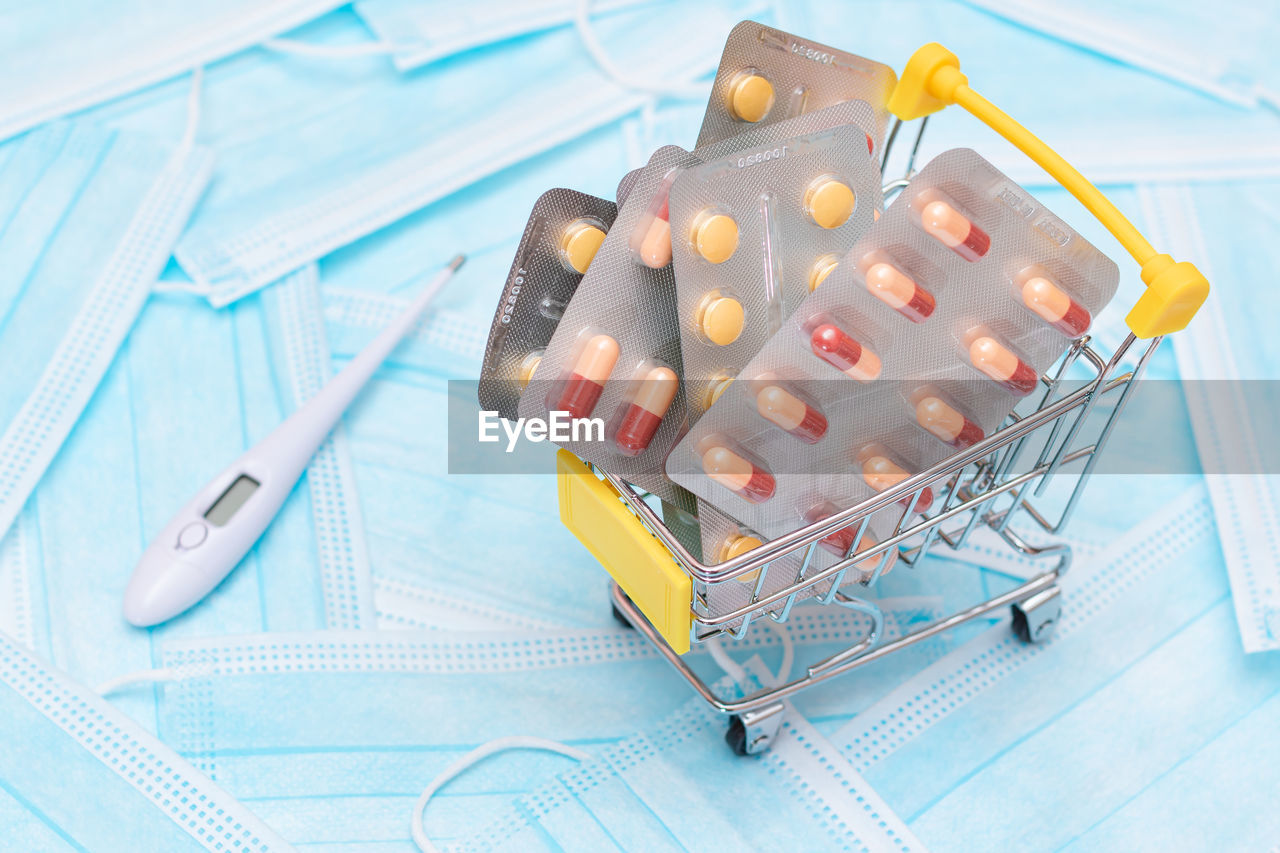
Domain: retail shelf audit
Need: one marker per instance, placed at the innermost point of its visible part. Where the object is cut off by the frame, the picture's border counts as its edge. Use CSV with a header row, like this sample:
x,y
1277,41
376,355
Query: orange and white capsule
x,y
830,343
786,410
897,290
644,414
1055,307
998,362
948,424
651,240
882,473
738,475
587,376
841,542
954,230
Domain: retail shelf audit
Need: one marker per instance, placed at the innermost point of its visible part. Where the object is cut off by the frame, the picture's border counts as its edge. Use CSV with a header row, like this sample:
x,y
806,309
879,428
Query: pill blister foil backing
x,y
537,292
925,356
805,76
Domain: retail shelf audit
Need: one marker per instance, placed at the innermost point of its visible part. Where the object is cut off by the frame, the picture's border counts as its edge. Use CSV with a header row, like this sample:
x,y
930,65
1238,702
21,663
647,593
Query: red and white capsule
x,y
786,410
899,291
1055,307
947,424
587,376
998,362
954,230
882,473
738,475
645,412
830,343
840,542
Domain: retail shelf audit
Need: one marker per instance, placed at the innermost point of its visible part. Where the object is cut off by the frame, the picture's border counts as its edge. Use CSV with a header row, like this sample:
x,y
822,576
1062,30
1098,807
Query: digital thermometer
x,y
211,534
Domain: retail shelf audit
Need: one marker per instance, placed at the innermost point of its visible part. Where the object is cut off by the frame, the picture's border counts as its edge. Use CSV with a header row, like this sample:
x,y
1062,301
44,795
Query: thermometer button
x,y
192,536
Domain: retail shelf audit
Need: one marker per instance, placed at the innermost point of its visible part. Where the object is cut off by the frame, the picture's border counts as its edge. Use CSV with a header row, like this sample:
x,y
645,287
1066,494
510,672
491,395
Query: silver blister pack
x,y
753,234
921,342
618,339
628,297
563,232
767,75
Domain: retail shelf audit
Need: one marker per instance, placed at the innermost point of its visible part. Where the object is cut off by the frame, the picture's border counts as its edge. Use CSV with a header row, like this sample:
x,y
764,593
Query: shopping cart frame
x,y
663,590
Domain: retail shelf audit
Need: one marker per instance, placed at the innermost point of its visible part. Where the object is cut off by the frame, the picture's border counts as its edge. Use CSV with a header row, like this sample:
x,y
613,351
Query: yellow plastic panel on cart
x,y
646,571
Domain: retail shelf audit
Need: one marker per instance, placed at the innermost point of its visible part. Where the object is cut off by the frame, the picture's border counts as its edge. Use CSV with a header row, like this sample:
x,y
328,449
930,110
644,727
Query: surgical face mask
x,y
348,147
426,32
192,389
1067,96
77,773
676,786
1222,49
1103,737
88,217
1229,362
373,716
90,52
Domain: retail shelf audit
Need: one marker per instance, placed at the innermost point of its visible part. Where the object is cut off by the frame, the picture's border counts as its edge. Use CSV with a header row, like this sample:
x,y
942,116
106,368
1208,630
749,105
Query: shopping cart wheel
x,y
622,619
753,732
1035,619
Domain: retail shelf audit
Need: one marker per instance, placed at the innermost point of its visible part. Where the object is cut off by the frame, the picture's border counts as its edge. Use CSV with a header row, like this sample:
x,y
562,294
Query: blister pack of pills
x,y
613,364
942,317
615,359
753,234
767,75
564,231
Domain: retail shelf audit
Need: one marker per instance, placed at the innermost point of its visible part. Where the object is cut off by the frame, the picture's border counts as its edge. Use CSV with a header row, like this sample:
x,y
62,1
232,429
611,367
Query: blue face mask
x,y
77,773
675,786
1229,230
352,146
192,389
92,52
1065,95
426,32
88,217
376,715
1104,736
1222,49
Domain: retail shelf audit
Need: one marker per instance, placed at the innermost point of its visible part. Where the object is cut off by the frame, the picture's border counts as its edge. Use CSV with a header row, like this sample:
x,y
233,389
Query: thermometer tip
x,y
458,260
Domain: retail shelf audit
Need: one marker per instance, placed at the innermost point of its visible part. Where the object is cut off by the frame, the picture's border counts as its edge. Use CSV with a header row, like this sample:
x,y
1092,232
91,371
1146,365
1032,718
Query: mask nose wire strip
x,y
582,24
293,47
475,756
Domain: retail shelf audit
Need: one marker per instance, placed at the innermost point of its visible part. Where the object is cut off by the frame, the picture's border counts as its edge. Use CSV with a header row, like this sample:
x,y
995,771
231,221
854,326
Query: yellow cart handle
x,y
1175,290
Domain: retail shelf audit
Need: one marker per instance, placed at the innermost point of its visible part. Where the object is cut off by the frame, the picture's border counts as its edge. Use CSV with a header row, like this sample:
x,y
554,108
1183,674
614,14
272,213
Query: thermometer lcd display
x,y
231,500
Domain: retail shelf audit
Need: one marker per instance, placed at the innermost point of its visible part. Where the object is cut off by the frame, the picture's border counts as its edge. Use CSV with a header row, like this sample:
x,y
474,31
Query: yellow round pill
x,y
528,367
719,384
750,97
822,268
829,202
578,245
722,319
715,237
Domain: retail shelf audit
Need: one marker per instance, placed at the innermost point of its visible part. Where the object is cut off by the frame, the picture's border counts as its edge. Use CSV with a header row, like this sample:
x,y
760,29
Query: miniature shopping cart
x,y
662,590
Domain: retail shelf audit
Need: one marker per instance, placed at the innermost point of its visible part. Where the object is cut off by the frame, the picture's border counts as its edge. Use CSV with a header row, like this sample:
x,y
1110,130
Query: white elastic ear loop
x,y
735,671
146,676
475,756
582,24
294,47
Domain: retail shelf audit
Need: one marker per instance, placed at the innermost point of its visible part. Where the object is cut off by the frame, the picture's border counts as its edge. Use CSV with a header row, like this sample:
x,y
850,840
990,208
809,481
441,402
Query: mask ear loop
x,y
739,675
293,47
185,145
587,35
475,756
